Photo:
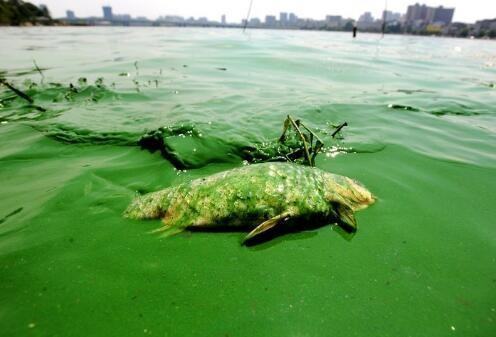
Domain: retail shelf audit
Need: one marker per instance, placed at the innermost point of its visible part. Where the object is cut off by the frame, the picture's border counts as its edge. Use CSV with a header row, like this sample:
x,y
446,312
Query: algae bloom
x,y
257,197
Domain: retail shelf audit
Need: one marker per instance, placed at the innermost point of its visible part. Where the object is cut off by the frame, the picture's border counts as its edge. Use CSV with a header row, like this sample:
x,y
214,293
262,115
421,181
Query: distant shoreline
x,y
234,26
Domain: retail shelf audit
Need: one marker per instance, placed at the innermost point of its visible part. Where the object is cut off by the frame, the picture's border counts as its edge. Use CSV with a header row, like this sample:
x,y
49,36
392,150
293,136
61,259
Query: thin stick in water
x,y
39,70
16,91
248,16
339,129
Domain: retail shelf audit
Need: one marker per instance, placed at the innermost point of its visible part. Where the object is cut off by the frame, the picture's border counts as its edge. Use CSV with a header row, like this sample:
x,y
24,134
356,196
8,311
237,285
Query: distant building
x,y
442,15
485,26
366,18
420,15
70,15
293,19
255,22
333,18
270,20
389,16
333,21
416,13
223,19
458,29
107,13
121,17
283,18
172,19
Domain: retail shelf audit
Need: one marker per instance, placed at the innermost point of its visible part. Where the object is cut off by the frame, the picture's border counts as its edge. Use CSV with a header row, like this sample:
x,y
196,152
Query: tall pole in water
x,y
355,28
248,15
384,18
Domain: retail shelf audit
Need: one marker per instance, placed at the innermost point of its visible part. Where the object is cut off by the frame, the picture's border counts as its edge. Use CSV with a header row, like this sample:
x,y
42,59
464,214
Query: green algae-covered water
x,y
421,137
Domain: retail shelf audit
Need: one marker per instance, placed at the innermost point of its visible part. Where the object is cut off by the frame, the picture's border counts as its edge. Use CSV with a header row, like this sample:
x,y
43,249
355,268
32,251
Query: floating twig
x,y
309,151
39,70
136,67
16,91
21,94
338,129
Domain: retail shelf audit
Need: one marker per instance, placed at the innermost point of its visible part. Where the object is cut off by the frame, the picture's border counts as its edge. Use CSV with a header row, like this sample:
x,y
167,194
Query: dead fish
x,y
259,197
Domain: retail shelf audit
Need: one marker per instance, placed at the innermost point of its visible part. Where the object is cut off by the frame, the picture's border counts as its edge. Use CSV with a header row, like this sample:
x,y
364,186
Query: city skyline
x,y
235,11
419,19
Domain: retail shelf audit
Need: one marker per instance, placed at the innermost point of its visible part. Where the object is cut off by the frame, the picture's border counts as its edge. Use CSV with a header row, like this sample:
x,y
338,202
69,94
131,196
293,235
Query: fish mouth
x,y
363,197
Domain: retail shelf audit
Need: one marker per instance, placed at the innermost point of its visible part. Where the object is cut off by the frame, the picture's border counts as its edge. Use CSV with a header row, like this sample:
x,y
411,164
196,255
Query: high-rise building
x,y
223,19
443,15
293,19
70,15
333,20
366,17
255,22
270,20
107,12
389,16
283,18
416,12
422,14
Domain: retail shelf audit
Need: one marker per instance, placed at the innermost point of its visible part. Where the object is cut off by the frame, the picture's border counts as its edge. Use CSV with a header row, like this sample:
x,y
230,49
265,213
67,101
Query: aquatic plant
x,y
297,144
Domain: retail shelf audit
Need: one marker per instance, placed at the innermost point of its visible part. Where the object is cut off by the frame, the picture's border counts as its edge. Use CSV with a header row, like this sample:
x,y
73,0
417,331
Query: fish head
x,y
347,191
345,196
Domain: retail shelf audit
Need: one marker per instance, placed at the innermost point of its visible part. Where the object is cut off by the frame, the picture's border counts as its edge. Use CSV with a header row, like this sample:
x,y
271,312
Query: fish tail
x,y
148,206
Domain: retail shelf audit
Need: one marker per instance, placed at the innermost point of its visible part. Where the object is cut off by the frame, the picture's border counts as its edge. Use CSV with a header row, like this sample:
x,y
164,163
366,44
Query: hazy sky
x,y
235,10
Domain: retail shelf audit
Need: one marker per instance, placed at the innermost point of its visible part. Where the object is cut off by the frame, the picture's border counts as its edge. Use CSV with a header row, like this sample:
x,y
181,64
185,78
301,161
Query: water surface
x,y
421,136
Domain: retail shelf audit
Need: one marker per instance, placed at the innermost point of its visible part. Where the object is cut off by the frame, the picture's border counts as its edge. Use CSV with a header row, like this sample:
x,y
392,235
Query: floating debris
x,y
298,144
402,107
16,91
22,95
39,71
18,210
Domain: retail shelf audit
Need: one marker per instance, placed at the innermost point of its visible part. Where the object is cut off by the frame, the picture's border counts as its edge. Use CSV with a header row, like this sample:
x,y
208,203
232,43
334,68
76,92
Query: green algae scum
x,y
421,136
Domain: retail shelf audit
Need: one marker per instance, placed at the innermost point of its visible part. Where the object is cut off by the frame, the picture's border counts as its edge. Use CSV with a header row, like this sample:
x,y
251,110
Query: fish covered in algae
x,y
257,197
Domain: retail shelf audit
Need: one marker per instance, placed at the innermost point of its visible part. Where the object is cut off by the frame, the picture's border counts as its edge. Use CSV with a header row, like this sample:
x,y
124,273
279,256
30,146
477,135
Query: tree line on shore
x,y
19,13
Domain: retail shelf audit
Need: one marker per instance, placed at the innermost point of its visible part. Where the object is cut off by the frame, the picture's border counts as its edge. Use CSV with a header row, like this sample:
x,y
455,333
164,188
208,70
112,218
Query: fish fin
x,y
346,218
266,225
171,232
166,231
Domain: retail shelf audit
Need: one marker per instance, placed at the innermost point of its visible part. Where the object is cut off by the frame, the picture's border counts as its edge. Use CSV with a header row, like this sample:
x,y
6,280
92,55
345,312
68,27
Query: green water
x,y
421,136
